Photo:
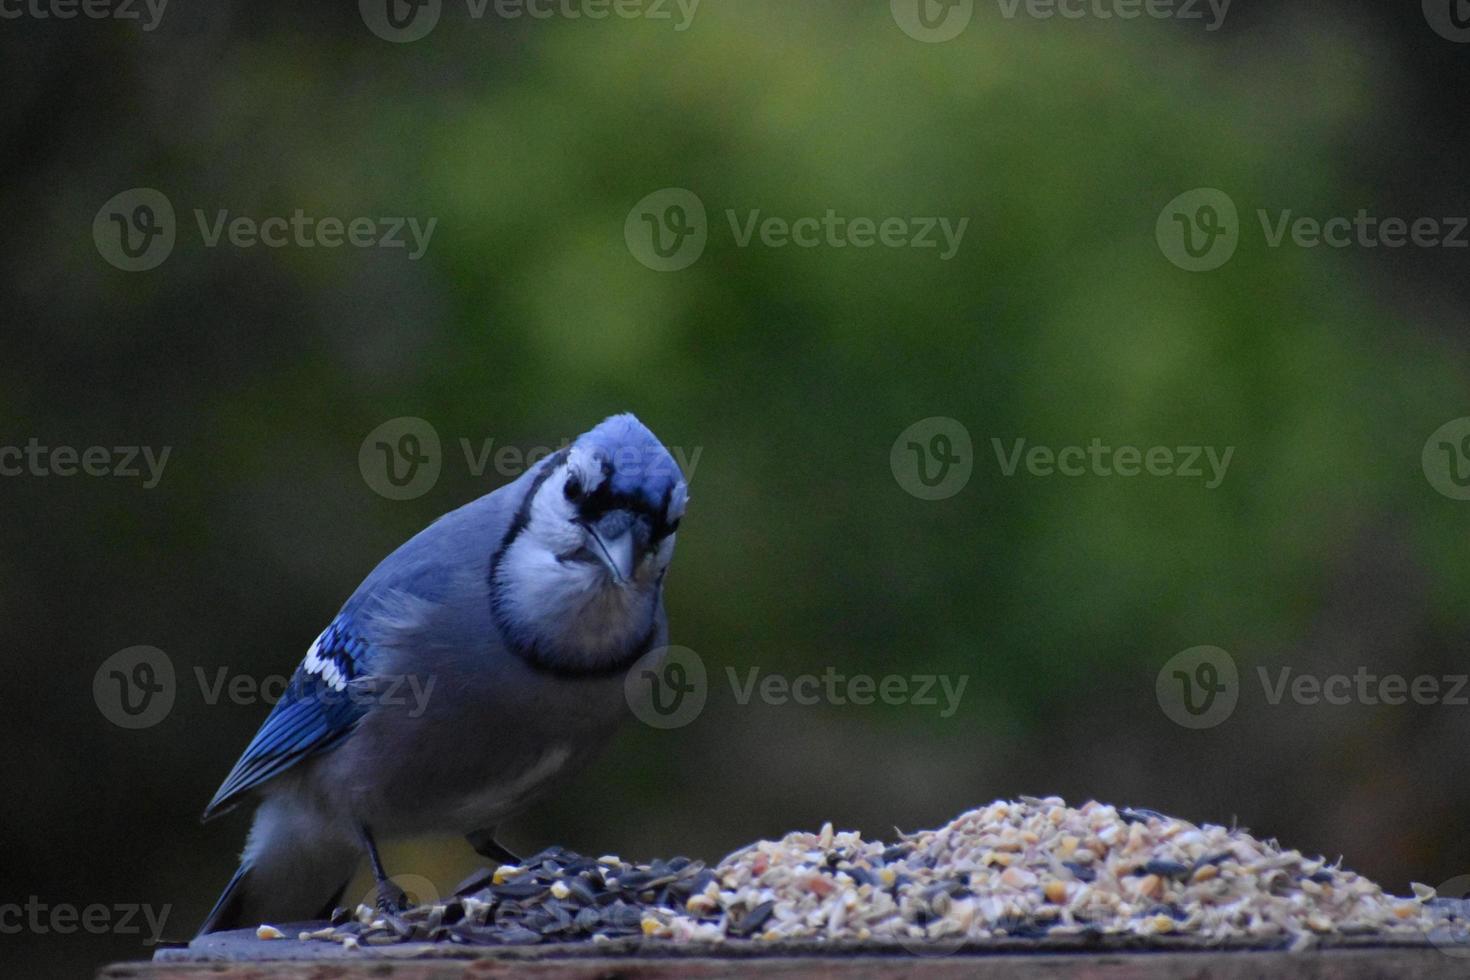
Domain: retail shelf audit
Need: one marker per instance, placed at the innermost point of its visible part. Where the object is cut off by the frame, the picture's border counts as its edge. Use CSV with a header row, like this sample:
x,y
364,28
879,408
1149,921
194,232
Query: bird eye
x,y
573,488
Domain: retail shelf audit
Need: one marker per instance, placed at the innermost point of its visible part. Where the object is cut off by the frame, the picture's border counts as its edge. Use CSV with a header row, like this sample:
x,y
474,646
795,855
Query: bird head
x,y
576,584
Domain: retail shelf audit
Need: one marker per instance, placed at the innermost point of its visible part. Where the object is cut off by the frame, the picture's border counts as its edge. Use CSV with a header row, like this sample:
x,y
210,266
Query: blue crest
x,y
641,469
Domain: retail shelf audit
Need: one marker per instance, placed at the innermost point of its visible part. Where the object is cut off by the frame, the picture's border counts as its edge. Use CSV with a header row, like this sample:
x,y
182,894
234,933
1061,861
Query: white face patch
x,y
572,608
323,667
553,517
555,594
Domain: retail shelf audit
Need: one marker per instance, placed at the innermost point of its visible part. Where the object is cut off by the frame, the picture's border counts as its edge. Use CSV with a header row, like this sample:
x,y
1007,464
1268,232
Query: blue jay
x,y
475,667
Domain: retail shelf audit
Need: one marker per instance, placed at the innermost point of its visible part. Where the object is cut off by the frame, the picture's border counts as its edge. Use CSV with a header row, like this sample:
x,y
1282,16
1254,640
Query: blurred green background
x,y
791,371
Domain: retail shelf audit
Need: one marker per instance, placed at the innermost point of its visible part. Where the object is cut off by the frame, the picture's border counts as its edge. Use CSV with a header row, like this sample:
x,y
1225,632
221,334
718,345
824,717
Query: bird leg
x,y
391,899
485,845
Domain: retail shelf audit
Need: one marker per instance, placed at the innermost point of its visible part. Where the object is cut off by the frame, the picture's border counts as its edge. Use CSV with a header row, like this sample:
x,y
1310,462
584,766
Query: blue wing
x,y
316,712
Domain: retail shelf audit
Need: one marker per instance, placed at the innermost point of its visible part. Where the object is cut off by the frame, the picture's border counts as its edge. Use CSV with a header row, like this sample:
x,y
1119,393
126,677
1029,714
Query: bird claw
x,y
392,900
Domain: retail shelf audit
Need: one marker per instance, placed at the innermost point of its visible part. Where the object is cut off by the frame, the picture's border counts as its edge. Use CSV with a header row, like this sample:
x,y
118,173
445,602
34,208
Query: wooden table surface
x,y
241,956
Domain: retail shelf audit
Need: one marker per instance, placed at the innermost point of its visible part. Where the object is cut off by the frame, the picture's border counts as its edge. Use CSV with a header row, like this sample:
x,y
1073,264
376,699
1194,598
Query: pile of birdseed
x,y
1033,869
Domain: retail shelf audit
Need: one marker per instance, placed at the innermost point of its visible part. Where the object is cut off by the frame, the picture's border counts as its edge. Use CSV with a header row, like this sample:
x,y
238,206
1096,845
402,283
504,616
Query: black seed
x,y
1140,815
1215,859
1080,871
580,891
518,936
753,919
475,882
1167,869
518,889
